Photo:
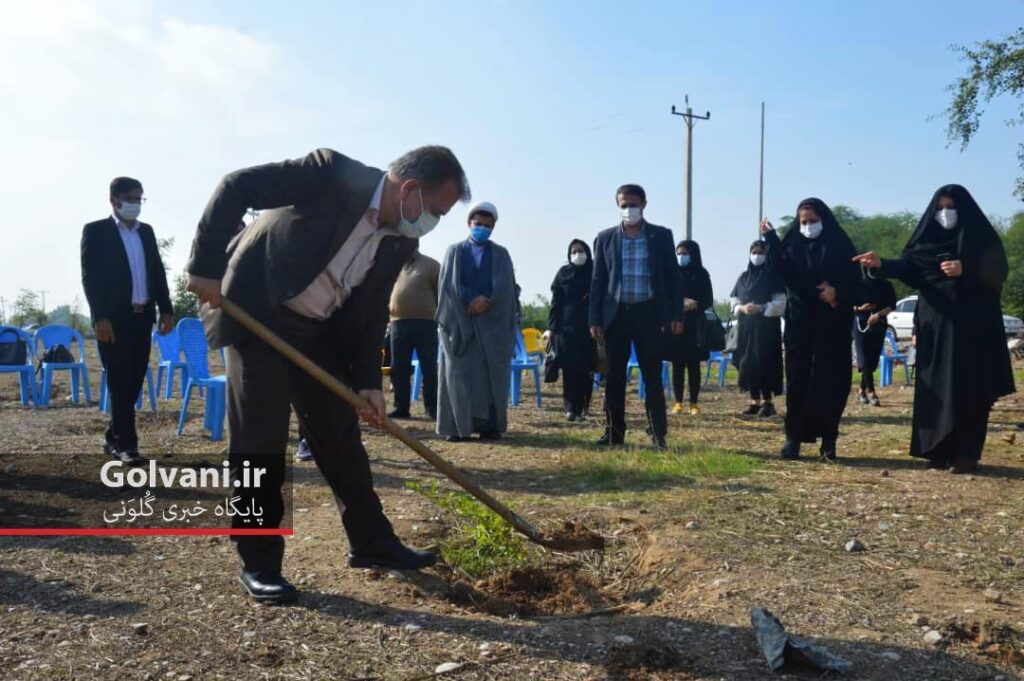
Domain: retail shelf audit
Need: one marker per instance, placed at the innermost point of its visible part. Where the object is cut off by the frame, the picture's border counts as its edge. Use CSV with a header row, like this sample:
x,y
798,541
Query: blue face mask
x,y
684,260
480,234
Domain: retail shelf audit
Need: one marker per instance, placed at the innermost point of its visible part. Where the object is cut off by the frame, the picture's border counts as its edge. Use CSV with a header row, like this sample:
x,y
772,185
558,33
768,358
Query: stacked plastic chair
x,y
194,348
521,362
169,349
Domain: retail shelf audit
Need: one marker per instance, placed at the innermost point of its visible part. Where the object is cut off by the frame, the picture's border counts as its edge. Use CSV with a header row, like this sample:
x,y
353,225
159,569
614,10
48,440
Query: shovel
x,y
573,539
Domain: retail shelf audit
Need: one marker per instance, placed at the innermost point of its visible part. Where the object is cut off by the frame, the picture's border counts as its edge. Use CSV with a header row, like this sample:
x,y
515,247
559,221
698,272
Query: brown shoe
x,y
961,466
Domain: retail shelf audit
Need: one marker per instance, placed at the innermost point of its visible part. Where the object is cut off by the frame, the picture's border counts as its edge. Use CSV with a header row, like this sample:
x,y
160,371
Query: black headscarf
x,y
570,275
971,237
693,248
832,251
758,284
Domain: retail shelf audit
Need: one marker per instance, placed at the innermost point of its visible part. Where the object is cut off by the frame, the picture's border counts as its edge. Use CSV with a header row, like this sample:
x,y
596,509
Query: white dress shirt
x,y
347,269
136,259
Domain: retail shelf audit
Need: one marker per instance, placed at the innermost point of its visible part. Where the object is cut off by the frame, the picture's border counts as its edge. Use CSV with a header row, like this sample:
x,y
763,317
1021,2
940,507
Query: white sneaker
x,y
303,453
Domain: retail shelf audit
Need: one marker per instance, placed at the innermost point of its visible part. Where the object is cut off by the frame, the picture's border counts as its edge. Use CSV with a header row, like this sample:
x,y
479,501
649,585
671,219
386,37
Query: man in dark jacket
x,y
317,267
124,282
635,294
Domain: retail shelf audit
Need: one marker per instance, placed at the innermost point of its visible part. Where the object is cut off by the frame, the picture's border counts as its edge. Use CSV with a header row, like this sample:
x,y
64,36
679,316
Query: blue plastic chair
x,y
417,373
105,391
521,362
26,372
169,350
49,336
722,359
634,365
887,360
193,346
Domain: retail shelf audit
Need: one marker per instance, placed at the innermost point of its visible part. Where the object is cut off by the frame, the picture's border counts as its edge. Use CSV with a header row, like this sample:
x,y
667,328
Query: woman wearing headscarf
x,y
878,298
956,261
758,301
570,334
813,260
683,349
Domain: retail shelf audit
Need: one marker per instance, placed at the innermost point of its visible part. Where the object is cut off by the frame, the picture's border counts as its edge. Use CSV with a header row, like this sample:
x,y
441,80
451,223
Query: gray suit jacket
x,y
606,284
310,207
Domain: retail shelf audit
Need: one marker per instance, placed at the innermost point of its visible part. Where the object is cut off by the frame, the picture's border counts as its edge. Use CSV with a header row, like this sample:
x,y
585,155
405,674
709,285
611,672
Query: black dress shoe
x,y
268,587
607,440
790,451
570,417
752,410
767,410
391,554
398,414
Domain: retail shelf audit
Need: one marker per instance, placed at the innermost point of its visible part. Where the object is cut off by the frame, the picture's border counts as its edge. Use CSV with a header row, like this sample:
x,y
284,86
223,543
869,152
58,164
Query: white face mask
x,y
757,259
129,211
579,259
811,231
421,226
946,217
631,214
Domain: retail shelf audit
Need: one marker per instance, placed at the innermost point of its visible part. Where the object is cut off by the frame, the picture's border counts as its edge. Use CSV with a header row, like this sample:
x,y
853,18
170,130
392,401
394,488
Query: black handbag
x,y
13,349
710,334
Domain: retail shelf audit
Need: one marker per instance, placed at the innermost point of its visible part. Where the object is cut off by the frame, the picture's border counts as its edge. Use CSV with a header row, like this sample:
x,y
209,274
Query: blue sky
x,y
550,106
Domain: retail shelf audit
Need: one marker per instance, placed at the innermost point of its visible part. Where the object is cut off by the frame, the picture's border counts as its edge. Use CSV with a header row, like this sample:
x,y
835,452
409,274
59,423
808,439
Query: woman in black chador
x,y
758,301
814,260
570,334
878,298
682,349
956,261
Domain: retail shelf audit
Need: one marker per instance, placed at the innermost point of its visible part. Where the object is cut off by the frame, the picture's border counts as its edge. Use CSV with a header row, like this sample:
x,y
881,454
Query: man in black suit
x,y
317,267
125,282
635,295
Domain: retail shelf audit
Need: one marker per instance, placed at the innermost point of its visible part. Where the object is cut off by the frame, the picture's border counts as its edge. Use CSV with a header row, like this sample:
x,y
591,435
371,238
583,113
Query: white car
x,y
902,319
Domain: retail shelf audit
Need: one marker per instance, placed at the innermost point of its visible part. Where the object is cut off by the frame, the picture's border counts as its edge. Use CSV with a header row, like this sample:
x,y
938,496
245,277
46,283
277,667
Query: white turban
x,y
484,207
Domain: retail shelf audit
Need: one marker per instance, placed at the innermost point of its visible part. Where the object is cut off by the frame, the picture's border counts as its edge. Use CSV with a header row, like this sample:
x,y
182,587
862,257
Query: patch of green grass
x,y
482,543
645,469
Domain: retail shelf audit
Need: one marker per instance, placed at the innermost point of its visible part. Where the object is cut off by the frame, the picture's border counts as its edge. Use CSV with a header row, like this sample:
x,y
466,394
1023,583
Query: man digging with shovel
x,y
317,267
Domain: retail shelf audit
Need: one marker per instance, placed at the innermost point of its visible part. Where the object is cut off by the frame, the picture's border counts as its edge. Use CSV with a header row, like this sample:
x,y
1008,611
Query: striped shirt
x,y
636,269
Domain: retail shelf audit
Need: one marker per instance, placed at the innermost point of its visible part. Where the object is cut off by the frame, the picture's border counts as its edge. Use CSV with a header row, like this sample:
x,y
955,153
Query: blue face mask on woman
x,y
480,234
684,260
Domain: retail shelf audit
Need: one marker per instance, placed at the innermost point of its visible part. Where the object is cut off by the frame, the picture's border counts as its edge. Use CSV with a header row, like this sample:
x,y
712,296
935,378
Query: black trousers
x,y
262,388
126,360
419,335
867,380
577,390
680,372
636,324
756,394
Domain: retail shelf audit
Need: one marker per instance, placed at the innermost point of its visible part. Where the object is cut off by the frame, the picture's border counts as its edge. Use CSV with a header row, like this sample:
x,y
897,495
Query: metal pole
x,y
760,198
689,174
689,117
43,294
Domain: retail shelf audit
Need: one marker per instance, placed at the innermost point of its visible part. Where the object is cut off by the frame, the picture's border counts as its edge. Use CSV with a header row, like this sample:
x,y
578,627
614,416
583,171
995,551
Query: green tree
x,y
535,314
69,315
995,68
27,309
164,246
184,301
1013,291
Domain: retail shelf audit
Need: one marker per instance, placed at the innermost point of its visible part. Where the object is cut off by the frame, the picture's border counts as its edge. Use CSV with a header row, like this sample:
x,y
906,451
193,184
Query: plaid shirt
x,y
636,269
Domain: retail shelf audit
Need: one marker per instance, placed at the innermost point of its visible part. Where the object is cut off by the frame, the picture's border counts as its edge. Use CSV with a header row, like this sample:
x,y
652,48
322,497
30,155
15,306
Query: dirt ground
x,y
687,557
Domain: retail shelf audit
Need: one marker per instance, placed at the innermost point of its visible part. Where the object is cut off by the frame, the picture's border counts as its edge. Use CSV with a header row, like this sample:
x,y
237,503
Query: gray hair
x,y
433,166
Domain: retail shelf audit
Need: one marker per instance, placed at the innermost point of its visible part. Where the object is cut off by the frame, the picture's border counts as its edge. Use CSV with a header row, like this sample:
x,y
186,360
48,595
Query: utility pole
x,y
3,311
760,198
689,117
42,294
